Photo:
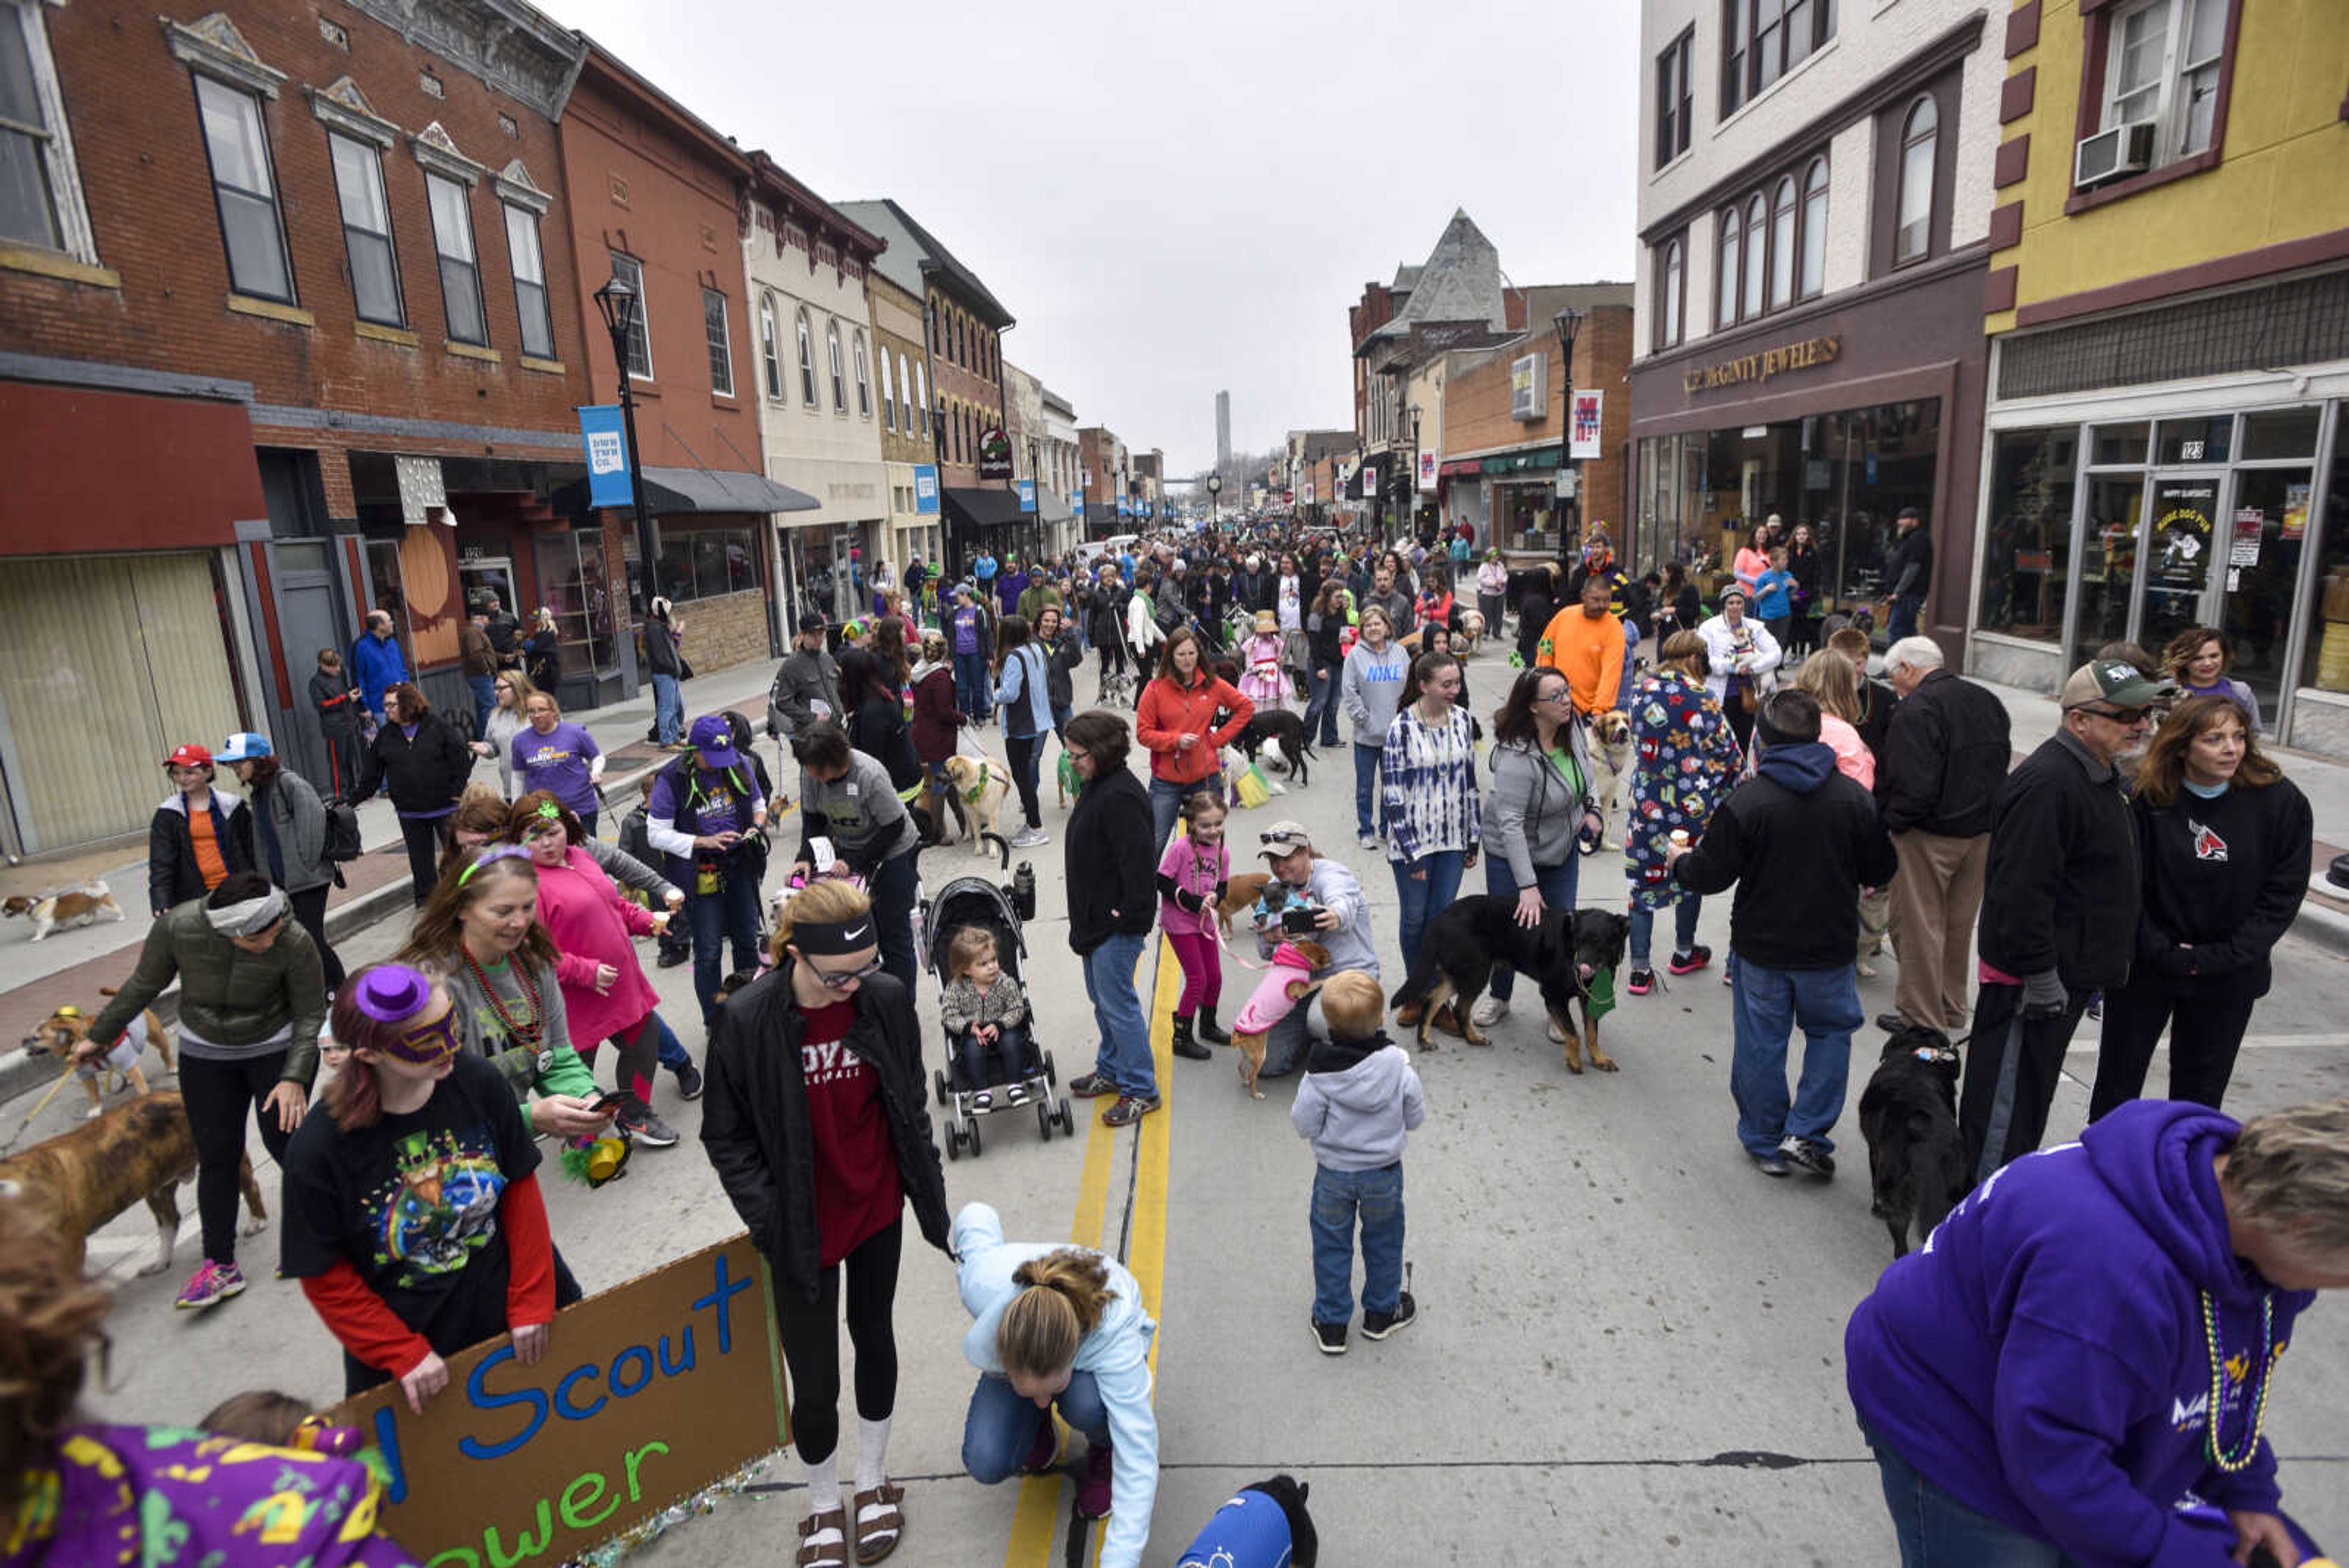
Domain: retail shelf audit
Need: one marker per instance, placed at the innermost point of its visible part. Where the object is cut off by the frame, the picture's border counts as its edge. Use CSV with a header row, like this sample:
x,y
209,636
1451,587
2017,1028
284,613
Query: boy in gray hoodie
x,y
1358,1098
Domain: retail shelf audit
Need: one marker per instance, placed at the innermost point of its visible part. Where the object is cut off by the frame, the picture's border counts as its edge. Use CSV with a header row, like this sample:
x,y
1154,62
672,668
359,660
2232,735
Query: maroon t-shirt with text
x,y
857,1195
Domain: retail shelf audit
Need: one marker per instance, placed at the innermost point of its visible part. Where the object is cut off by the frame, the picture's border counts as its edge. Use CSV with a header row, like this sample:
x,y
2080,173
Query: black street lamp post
x,y
1214,493
1569,322
618,303
1411,484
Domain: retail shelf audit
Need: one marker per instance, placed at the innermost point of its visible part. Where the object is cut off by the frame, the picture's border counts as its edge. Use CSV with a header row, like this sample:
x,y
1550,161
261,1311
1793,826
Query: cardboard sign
x,y
646,1393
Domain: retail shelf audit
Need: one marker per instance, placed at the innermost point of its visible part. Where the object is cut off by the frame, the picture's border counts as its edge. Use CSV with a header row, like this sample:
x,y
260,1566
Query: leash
x,y
41,1106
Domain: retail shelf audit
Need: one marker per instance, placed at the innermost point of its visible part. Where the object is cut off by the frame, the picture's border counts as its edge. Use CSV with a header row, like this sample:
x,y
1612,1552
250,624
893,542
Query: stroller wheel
x,y
1050,1076
1066,1117
970,1132
944,1092
1044,1120
954,1141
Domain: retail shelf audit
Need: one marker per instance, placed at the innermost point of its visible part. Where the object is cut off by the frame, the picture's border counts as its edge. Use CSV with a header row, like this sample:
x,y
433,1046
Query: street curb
x,y
2321,924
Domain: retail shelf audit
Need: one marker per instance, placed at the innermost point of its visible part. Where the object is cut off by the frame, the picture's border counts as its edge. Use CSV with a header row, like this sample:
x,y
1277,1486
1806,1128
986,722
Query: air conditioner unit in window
x,y
2109,154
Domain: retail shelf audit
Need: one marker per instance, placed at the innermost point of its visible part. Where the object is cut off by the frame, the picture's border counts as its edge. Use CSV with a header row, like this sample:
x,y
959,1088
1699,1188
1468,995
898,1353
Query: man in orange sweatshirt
x,y
1584,642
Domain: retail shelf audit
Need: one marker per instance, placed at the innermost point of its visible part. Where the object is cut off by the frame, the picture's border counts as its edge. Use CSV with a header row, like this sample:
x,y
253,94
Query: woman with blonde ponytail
x,y
1065,1326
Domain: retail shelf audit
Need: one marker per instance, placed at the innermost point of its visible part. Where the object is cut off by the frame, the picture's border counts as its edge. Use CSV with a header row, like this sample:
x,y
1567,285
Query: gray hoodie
x,y
1370,685
1532,811
1356,1101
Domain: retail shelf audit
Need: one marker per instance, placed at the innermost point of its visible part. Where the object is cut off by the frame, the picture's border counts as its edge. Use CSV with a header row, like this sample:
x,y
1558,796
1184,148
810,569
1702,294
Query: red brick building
x,y
296,335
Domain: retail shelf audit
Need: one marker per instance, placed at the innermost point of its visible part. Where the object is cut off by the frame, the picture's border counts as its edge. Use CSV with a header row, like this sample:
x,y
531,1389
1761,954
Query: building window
x,y
1919,135
530,281
1669,283
1674,66
864,380
905,394
2161,67
770,351
244,192
888,387
2027,550
838,377
1732,232
461,274
721,342
921,390
1762,40
807,360
1782,243
40,192
366,229
630,271
1757,228
1811,278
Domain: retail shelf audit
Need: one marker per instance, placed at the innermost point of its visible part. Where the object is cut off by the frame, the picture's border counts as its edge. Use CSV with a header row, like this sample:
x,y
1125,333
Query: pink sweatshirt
x,y
1270,1002
1853,759
1194,868
590,924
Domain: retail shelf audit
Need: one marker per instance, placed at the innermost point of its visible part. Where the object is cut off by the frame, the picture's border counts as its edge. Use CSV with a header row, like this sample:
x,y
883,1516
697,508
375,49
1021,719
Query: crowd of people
x,y
1755,754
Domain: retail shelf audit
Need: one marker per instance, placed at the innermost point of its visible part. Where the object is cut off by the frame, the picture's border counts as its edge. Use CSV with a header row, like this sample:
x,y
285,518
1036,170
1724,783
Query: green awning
x,y
1525,461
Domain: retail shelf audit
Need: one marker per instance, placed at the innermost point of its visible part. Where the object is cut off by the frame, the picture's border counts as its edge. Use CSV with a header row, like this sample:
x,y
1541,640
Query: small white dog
x,y
65,908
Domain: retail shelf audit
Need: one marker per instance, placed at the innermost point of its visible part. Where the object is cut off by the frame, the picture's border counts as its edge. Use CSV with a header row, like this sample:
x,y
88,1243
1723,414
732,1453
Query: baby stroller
x,y
974,901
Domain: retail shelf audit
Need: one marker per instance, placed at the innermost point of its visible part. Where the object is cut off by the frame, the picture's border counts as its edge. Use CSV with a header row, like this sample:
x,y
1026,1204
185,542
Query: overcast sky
x,y
1175,199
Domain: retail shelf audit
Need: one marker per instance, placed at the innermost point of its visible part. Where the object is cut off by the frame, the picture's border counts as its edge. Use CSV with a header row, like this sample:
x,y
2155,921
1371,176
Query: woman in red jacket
x,y
936,719
1176,722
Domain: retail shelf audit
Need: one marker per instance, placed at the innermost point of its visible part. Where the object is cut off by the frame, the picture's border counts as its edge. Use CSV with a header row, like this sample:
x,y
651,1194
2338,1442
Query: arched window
x,y
905,392
1671,313
1757,254
863,379
1813,276
807,361
839,371
1732,243
770,352
888,387
1919,133
921,390
1782,243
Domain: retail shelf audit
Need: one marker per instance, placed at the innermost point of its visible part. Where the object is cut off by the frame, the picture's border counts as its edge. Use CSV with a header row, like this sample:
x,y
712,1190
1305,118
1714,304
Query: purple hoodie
x,y
2042,1359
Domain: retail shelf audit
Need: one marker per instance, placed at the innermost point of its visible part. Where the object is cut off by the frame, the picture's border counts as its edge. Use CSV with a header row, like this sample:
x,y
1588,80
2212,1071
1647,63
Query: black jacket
x,y
1108,861
1909,569
1535,609
1945,755
662,655
337,710
2225,877
1877,704
754,1119
427,773
1799,840
1061,658
2061,888
172,876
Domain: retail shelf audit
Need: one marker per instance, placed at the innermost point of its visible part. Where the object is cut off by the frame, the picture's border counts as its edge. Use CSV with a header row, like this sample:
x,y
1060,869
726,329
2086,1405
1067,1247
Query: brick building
x,y
1105,471
907,449
318,269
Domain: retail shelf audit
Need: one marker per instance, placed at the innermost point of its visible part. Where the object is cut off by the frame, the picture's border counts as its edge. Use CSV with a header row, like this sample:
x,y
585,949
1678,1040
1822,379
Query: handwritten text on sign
x,y
646,1393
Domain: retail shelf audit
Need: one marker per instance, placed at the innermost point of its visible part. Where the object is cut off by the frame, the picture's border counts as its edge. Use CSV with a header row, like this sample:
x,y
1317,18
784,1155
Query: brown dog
x,y
1240,894
66,907
66,1033
77,1181
979,784
1251,1045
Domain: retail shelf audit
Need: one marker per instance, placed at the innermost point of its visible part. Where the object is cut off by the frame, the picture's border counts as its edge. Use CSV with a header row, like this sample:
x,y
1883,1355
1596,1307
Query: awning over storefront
x,y
977,508
1533,462
1052,509
674,490
1459,466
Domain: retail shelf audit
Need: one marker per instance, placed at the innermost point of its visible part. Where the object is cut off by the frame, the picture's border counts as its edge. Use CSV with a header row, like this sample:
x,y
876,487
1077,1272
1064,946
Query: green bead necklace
x,y
2262,1379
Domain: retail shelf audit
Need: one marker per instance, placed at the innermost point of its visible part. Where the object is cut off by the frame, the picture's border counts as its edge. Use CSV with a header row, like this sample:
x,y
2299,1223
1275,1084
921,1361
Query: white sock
x,y
871,1452
823,1483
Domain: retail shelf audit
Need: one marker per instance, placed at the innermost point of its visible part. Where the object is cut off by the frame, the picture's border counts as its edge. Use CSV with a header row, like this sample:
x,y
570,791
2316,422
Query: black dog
x,y
1562,954
1287,728
1908,1114
1265,1525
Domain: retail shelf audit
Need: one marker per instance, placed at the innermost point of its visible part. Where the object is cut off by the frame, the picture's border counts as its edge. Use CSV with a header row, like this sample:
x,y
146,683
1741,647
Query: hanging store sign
x,y
925,488
1529,387
994,453
1756,368
608,455
1583,426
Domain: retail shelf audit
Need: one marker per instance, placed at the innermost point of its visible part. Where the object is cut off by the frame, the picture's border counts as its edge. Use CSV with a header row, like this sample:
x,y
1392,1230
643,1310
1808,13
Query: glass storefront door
x,y
2269,527
2181,544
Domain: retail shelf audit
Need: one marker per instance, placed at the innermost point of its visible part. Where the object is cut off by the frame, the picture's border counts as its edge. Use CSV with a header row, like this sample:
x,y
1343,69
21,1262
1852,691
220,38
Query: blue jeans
x,y
731,912
1321,707
1936,1531
1011,1054
672,1052
1166,800
1555,885
1769,1004
1423,896
1061,713
1901,621
1338,1196
973,691
1124,1058
1366,789
1001,1426
1643,926
895,886
668,709
485,700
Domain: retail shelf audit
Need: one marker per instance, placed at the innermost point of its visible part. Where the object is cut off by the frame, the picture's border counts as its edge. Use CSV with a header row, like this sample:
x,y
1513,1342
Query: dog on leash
x,y
1611,764
1286,985
1908,1114
1265,1525
1240,894
980,783
66,1033
77,1181
63,909
1286,731
1470,633
1563,953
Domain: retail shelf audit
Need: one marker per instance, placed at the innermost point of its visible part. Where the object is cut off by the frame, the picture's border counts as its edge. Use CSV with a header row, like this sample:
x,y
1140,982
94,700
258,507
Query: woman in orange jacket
x,y
1177,722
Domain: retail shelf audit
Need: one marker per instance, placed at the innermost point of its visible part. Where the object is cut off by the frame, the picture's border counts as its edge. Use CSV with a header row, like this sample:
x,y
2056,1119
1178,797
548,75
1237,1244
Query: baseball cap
x,y
813,620
2115,681
244,746
713,737
1283,839
189,756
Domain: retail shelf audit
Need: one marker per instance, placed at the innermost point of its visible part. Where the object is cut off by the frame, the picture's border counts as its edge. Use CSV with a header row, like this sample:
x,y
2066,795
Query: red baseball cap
x,y
189,756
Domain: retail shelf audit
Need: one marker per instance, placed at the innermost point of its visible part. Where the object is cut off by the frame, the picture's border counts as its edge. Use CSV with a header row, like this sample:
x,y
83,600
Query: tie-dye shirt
x,y
1427,783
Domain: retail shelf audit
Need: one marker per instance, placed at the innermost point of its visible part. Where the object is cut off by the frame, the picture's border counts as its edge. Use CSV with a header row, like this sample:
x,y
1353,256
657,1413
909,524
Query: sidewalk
x,y
71,967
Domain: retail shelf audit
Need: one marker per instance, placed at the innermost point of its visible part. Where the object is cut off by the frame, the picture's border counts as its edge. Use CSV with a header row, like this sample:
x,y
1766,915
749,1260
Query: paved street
x,y
1630,1349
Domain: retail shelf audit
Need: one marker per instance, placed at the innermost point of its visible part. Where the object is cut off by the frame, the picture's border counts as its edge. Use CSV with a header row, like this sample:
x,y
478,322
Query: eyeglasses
x,y
1563,694
842,979
2121,715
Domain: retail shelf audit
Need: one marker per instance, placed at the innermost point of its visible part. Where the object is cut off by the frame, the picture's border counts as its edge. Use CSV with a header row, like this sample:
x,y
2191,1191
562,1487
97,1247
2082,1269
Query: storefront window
x,y
2027,553
2287,432
2268,529
571,583
2202,439
2110,444
2326,666
390,594
704,562
1524,515
2107,561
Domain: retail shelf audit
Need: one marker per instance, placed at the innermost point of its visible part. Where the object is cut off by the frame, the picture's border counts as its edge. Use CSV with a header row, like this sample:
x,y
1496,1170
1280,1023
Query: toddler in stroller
x,y
985,1010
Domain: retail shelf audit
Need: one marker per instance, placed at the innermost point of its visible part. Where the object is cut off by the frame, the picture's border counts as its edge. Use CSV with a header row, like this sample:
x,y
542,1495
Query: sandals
x,y
877,1536
833,1553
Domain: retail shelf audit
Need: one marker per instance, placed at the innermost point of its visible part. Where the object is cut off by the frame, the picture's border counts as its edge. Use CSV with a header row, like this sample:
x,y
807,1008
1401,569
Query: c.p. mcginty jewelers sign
x,y
1761,367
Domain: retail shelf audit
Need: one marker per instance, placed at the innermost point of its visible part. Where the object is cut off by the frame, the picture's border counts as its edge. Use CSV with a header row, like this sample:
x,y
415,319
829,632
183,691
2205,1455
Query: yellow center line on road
x,y
1037,1517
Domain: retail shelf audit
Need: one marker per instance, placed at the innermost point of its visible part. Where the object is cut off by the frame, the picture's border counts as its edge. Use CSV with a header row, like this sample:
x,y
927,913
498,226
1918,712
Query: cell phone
x,y
1296,922
610,1100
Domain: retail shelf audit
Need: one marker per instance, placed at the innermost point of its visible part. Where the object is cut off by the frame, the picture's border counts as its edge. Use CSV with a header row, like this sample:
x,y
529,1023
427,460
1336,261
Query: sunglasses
x,y
2121,715
842,979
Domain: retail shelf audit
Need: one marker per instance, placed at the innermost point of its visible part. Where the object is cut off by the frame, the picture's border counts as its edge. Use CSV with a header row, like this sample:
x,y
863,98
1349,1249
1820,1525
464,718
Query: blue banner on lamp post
x,y
608,455
925,488
1026,495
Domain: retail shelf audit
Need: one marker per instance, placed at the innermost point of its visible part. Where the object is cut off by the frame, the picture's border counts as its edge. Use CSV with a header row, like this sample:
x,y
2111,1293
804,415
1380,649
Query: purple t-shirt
x,y
558,761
